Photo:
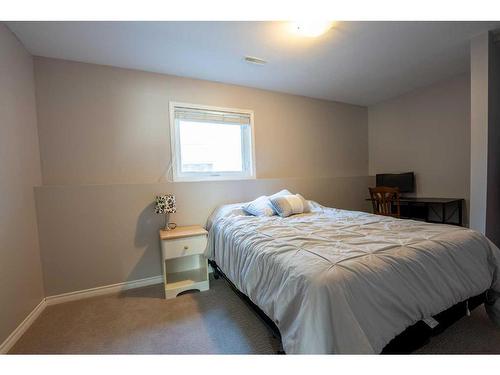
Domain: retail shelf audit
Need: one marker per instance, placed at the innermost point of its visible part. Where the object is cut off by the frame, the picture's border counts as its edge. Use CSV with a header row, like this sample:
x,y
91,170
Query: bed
x,y
337,281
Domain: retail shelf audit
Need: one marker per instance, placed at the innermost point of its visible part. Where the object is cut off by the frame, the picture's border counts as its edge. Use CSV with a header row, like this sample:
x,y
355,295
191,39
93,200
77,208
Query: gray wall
x,y
493,190
105,147
485,136
426,131
21,285
103,125
94,235
479,131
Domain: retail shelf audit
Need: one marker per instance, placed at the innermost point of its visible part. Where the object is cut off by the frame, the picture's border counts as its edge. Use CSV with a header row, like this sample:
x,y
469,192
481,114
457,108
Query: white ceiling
x,y
355,62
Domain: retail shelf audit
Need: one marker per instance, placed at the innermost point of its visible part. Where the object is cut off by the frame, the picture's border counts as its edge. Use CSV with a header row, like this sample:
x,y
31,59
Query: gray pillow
x,y
287,205
259,207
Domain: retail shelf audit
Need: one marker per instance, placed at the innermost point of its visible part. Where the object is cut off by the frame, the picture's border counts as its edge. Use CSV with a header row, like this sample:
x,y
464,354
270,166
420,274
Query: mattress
x,y
337,281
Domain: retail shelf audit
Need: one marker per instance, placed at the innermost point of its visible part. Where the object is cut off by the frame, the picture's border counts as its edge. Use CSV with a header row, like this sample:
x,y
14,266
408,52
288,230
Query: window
x,y
210,143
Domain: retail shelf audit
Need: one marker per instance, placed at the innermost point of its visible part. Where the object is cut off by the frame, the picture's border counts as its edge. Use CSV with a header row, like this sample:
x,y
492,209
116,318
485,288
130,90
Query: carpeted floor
x,y
213,322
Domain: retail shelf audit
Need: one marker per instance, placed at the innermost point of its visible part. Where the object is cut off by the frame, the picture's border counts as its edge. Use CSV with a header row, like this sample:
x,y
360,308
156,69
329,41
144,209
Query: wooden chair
x,y
384,199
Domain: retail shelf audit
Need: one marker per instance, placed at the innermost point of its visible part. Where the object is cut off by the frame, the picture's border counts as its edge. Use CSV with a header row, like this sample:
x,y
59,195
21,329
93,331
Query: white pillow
x,y
262,205
280,193
287,205
259,207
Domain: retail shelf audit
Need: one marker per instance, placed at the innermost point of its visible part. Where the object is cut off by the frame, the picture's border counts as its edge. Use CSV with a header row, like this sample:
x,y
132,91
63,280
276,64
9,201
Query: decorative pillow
x,y
286,205
280,193
259,207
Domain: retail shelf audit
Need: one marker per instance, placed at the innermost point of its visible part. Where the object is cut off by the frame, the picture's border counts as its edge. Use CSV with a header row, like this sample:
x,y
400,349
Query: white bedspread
x,y
337,281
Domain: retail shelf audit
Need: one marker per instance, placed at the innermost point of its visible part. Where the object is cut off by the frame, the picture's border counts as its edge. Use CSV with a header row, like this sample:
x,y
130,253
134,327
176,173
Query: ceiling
x,y
355,62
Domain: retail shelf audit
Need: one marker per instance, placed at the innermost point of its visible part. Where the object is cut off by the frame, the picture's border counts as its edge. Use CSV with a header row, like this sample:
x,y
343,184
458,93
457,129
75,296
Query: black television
x,y
404,181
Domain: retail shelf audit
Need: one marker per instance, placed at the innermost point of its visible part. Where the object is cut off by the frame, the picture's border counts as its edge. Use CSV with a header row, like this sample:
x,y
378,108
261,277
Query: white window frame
x,y
179,176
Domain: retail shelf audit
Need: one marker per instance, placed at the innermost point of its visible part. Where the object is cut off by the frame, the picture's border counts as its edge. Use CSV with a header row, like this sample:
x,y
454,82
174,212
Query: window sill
x,y
211,178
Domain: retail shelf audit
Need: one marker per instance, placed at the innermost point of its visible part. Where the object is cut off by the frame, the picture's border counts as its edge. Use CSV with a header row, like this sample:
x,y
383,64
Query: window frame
x,y
175,157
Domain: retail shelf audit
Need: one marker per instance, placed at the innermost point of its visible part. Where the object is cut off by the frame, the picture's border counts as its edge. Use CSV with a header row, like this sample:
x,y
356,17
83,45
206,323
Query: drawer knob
x,y
186,247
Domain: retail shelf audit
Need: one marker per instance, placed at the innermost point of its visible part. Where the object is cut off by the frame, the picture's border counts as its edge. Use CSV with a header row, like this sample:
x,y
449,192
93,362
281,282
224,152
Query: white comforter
x,y
337,281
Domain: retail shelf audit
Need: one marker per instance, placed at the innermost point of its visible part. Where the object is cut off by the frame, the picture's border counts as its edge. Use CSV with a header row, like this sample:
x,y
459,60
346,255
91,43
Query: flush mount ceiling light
x,y
312,28
255,60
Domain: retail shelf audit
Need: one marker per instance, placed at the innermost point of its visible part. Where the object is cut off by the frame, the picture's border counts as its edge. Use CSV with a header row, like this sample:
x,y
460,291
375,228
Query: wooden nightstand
x,y
184,265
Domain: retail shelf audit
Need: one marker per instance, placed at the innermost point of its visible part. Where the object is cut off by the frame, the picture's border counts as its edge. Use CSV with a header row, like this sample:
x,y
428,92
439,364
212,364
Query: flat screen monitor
x,y
404,181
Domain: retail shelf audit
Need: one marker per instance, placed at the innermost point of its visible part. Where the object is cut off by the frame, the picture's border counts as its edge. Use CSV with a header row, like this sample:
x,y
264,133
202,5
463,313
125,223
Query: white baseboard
x,y
100,290
72,296
21,328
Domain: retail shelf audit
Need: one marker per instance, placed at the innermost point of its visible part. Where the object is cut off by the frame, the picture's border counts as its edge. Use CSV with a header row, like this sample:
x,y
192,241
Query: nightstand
x,y
184,264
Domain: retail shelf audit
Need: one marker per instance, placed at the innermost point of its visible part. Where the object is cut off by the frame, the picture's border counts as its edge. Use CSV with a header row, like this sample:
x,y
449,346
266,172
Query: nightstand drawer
x,y
180,247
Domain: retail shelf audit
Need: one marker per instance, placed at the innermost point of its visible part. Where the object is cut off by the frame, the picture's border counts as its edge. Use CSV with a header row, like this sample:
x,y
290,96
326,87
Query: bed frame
x,y
411,339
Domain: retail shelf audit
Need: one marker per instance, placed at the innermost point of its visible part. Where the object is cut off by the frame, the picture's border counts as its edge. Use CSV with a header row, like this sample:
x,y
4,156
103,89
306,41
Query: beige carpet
x,y
212,322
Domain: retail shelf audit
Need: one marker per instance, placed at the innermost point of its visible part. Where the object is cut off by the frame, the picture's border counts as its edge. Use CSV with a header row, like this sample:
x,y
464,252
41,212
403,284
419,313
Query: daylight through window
x,y
210,143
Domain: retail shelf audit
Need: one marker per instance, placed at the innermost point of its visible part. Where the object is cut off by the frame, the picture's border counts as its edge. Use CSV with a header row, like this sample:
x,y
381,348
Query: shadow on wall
x,y
116,239
146,239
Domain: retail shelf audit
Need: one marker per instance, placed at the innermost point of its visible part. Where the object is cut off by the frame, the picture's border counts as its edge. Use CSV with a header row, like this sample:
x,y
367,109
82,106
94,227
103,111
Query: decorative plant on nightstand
x,y
165,205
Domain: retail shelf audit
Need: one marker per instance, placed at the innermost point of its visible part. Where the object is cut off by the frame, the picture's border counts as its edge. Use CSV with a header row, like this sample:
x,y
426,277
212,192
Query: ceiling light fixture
x,y
255,60
312,28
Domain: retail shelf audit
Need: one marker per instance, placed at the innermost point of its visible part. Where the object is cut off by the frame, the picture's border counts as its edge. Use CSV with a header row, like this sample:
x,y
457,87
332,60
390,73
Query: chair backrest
x,y
384,199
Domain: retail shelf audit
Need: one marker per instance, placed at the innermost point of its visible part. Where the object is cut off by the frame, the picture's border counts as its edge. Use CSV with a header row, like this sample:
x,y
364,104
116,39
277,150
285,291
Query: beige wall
x,y
94,235
105,146
479,131
21,286
426,131
103,125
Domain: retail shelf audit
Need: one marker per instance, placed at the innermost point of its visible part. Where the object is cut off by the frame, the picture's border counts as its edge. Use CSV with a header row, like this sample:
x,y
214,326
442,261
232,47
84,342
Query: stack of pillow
x,y
283,203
